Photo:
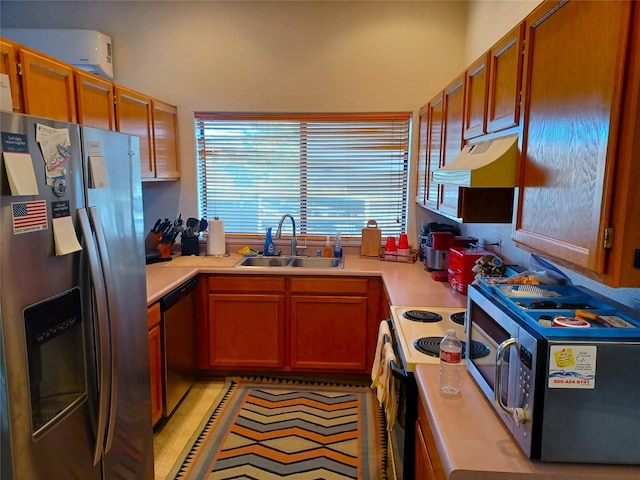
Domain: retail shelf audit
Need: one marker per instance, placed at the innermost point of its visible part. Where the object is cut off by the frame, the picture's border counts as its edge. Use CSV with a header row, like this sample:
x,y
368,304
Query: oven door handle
x,y
398,372
518,414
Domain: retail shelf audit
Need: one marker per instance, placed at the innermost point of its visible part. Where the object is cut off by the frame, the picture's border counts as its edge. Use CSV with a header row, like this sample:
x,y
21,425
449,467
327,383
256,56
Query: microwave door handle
x,y
497,385
102,350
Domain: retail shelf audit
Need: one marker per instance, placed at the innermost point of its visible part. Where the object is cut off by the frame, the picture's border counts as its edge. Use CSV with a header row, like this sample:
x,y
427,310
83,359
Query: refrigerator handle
x,y
113,334
102,349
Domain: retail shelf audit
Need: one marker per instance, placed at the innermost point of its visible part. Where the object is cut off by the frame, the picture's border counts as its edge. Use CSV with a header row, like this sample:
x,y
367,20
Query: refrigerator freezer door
x,y
117,208
30,272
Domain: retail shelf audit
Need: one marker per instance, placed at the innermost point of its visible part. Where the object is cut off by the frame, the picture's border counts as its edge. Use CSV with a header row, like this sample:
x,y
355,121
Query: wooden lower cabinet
x,y
329,323
246,330
328,333
245,322
427,460
289,324
155,361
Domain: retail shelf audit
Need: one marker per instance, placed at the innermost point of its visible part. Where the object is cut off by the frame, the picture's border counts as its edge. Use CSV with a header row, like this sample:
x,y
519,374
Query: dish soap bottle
x,y
328,250
269,248
337,247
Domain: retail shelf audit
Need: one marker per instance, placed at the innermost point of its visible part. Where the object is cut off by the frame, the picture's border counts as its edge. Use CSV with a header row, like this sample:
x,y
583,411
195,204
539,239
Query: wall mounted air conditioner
x,y
86,49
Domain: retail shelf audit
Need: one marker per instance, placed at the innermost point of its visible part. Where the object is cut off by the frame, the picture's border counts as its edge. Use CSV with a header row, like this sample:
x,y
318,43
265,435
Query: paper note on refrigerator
x,y
56,150
22,177
18,163
98,176
65,236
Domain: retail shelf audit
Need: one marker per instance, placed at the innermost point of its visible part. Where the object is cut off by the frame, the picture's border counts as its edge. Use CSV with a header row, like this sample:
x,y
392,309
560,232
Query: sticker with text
x,y
29,216
572,366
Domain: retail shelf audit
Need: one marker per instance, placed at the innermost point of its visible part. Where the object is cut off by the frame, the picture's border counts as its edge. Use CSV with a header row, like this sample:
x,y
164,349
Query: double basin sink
x,y
293,262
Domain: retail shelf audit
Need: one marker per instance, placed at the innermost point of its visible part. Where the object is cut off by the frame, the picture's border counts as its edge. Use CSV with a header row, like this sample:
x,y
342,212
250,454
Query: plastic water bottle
x,y
450,356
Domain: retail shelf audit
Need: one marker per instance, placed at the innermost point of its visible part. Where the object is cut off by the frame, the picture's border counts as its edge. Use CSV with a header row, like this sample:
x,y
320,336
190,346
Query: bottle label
x,y
449,357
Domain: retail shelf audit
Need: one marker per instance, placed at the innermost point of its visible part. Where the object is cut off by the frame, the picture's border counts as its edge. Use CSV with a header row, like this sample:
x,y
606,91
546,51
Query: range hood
x,y
489,164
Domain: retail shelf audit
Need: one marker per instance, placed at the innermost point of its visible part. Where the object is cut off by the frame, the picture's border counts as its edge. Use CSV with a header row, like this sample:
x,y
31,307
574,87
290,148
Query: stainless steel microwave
x,y
565,394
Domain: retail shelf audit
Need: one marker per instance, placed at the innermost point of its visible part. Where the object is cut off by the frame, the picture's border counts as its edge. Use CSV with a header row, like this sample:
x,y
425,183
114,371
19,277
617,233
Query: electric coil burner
x,y
458,317
431,346
424,316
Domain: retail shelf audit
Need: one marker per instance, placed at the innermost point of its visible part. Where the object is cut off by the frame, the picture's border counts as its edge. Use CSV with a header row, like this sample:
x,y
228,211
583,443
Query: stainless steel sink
x,y
263,262
316,262
294,262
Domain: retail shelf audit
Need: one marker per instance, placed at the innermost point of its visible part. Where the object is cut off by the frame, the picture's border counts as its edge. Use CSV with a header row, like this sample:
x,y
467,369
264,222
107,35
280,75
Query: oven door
x,y
401,441
493,327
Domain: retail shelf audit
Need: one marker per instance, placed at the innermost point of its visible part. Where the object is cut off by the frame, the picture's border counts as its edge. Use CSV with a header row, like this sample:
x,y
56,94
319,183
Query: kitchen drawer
x,y
329,285
248,283
153,315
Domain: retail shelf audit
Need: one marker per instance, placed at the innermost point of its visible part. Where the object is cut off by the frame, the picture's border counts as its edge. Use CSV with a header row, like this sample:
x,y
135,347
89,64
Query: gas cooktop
x,y
413,323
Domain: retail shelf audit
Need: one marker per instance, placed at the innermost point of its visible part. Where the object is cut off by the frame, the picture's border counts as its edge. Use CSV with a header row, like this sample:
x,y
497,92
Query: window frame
x,y
400,120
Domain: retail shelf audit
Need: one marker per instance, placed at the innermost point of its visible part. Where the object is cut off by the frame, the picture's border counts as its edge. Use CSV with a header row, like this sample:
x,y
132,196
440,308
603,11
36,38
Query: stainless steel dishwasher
x,y
178,331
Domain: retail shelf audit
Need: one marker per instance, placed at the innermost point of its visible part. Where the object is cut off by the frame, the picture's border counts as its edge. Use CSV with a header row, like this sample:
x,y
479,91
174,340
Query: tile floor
x,y
171,437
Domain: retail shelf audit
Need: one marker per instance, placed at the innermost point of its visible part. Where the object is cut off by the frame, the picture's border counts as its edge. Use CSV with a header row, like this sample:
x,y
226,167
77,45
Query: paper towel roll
x,y
215,242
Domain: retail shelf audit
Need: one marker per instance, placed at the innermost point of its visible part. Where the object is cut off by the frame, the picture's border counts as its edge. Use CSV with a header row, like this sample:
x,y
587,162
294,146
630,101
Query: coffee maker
x,y
435,256
435,240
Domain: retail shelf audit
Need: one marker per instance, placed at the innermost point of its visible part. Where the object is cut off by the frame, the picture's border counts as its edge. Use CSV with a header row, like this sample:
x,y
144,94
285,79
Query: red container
x,y
461,263
441,240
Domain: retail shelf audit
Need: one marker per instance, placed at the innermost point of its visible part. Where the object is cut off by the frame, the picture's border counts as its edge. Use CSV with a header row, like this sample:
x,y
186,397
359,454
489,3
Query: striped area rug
x,y
273,429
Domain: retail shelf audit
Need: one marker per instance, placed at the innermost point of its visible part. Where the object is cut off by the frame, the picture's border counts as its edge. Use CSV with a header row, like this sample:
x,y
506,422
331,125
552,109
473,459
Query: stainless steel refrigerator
x,y
74,361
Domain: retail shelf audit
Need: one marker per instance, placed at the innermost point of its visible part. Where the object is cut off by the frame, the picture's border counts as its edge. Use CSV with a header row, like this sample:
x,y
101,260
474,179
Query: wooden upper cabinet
x,y
165,141
452,143
573,98
494,83
475,117
434,148
47,86
422,171
94,98
505,81
9,66
133,116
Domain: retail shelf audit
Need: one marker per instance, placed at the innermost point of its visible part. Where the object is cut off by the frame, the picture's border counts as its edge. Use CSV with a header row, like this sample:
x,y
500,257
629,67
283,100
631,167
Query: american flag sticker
x,y
29,216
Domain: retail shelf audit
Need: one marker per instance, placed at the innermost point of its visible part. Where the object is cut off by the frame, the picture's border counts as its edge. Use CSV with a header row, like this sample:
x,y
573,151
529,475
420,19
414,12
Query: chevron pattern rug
x,y
273,429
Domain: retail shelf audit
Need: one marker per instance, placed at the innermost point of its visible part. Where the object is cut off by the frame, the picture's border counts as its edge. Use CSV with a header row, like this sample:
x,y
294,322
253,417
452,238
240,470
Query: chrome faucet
x,y
293,235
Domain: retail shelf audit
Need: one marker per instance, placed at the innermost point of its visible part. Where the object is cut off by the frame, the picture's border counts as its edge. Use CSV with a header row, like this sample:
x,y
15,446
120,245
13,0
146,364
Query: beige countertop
x,y
474,445
472,442
407,283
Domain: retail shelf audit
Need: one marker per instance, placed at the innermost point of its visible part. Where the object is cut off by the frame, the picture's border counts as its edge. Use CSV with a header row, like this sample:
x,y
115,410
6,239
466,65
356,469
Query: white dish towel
x,y
381,376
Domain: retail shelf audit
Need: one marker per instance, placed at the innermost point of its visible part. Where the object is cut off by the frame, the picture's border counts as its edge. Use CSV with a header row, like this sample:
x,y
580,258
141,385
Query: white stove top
x,y
408,331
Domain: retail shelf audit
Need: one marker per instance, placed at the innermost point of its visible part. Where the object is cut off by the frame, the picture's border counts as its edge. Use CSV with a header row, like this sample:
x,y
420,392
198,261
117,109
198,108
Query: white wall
x,y
265,56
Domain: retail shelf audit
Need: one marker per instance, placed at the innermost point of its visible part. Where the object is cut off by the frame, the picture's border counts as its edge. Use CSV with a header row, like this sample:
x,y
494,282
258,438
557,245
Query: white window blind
x,y
332,172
